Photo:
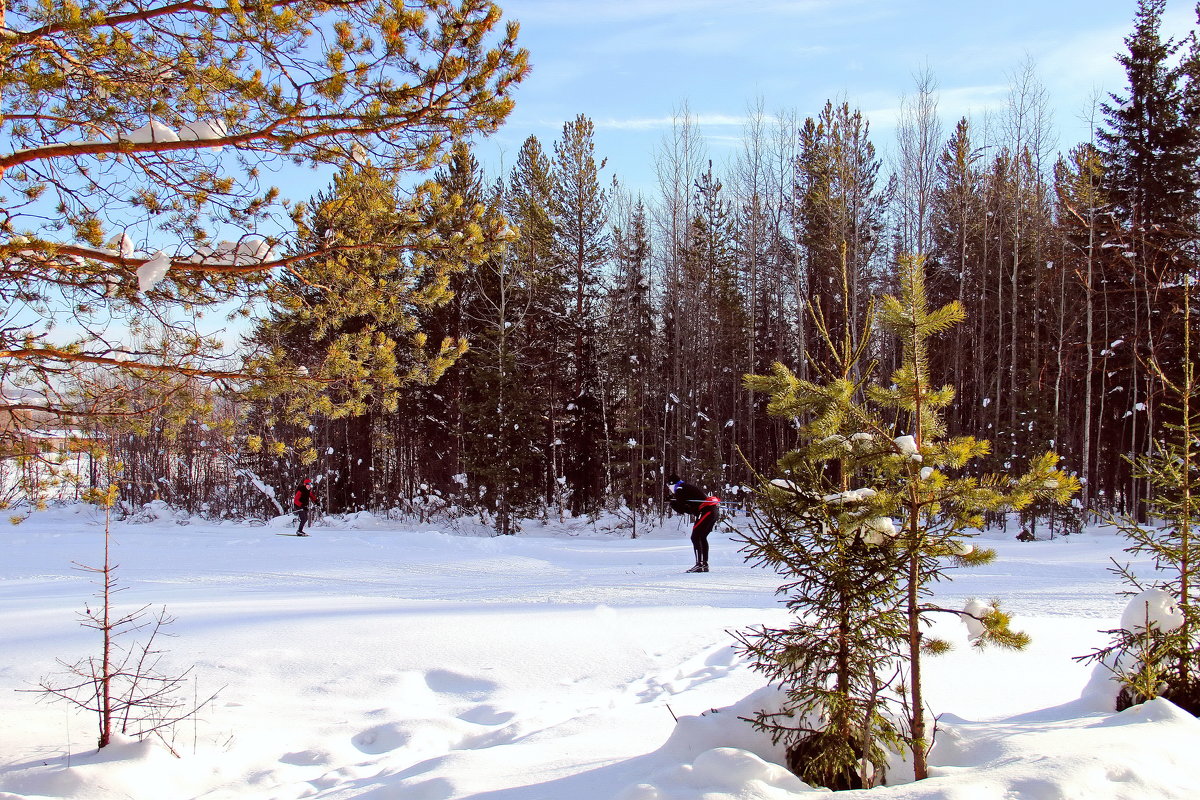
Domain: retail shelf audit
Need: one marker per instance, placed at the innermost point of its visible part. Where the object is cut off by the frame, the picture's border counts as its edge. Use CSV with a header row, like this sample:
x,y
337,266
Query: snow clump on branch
x,y
122,245
852,496
973,614
1154,608
153,271
877,530
202,130
908,446
245,251
152,131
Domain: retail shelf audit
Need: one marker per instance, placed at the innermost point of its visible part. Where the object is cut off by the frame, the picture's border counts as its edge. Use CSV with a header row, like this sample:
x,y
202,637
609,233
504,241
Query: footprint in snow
x,y
446,682
382,739
305,758
486,715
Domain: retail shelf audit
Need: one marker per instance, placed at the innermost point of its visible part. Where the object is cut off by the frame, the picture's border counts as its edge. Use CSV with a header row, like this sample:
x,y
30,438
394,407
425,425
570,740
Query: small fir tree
x,y
863,583
836,660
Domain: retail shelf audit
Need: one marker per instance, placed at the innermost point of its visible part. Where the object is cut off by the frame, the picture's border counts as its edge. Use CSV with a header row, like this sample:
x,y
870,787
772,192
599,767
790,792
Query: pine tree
x,y
327,322
630,358
839,212
503,435
136,135
352,321
434,415
1150,165
953,266
937,509
581,246
529,203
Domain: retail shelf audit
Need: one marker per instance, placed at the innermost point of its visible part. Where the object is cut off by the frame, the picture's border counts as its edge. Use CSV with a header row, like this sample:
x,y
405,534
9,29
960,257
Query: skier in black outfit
x,y
687,498
302,500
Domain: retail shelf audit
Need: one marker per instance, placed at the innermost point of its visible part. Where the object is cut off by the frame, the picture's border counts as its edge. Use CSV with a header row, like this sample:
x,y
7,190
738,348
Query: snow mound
x,y
1152,711
123,769
1057,753
720,754
727,727
721,772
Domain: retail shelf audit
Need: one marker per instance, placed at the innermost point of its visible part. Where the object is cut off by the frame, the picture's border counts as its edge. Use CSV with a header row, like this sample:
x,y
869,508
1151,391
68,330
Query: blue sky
x,y
629,64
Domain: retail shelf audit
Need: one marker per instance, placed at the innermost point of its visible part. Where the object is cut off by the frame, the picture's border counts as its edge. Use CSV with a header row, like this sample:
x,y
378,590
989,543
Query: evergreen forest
x,y
548,342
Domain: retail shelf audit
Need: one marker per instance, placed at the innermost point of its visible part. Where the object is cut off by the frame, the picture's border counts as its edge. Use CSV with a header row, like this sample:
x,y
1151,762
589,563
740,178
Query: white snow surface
x,y
380,659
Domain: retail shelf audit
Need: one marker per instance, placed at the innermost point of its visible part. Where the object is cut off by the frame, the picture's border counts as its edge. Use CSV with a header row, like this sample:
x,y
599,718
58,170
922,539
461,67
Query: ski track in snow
x,y
400,565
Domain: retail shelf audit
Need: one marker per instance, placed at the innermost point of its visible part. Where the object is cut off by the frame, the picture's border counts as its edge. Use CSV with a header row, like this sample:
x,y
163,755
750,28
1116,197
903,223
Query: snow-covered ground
x,y
373,660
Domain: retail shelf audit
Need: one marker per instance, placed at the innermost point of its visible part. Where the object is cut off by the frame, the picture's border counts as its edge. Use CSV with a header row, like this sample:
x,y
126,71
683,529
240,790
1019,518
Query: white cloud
x,y
954,104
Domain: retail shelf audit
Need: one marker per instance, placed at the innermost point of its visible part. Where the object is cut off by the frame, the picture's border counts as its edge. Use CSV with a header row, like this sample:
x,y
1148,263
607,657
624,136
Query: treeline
x,y
609,341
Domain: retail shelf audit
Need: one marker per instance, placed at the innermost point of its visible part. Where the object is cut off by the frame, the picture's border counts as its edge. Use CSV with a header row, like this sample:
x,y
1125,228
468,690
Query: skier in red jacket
x,y
687,498
302,500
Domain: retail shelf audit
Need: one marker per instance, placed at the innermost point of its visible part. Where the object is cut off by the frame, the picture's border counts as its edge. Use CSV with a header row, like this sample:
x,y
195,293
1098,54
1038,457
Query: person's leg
x,y
696,542
303,519
700,531
700,536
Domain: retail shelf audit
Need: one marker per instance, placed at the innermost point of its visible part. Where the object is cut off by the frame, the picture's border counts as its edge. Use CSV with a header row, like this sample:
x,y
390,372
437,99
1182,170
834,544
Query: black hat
x,y
673,478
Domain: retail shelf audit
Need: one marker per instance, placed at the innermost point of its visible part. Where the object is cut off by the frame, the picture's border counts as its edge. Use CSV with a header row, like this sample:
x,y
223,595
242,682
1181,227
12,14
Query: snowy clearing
x,y
374,660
